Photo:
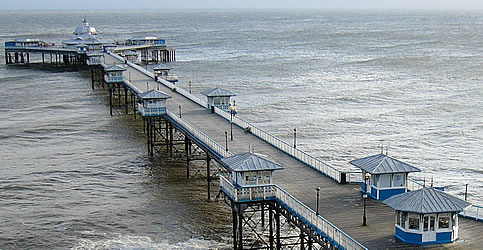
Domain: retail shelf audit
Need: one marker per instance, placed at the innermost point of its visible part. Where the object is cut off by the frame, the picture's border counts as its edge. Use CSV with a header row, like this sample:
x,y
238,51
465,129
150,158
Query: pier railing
x,y
273,192
313,162
473,212
414,185
322,167
265,192
167,84
151,111
198,134
321,225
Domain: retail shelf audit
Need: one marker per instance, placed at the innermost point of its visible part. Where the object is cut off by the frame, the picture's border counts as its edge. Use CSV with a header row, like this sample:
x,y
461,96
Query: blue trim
x,y
443,237
417,238
386,193
411,238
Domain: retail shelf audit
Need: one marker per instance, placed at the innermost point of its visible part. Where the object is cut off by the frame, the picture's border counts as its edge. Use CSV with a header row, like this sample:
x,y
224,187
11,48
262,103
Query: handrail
x,y
414,185
167,84
473,212
202,137
298,154
318,223
285,147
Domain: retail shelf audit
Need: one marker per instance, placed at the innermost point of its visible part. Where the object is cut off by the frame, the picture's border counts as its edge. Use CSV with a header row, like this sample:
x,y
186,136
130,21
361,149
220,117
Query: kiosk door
x,y
429,233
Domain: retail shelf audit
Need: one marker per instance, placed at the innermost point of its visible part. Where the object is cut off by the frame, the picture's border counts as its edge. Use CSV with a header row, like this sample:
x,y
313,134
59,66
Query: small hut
x,y
94,58
218,98
153,103
114,74
251,175
162,71
426,216
383,176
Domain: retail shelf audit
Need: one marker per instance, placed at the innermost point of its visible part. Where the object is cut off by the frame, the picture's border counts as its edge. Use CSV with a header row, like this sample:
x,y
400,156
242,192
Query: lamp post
x,y
179,111
364,197
232,113
294,138
317,203
190,86
226,141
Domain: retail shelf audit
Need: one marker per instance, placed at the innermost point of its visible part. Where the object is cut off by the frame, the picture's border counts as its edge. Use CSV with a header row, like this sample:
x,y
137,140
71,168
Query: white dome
x,y
85,29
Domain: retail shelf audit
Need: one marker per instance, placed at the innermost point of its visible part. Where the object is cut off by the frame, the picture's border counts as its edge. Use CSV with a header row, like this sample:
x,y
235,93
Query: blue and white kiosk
x,y
383,176
250,177
153,103
426,216
218,98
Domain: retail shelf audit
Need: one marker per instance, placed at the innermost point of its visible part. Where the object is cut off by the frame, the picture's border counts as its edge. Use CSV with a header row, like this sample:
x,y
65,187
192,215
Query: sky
x,y
239,4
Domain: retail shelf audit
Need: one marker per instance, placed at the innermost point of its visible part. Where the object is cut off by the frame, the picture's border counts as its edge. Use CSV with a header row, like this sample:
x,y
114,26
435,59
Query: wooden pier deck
x,y
340,204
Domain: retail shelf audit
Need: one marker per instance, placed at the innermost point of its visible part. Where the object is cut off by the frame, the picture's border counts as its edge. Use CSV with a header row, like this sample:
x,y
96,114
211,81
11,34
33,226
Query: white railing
x,y
414,185
167,84
202,137
113,79
225,107
247,193
326,169
318,223
151,111
473,212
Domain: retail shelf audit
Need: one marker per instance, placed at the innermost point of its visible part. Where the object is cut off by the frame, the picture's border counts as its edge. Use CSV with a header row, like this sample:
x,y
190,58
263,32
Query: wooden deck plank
x,y
340,204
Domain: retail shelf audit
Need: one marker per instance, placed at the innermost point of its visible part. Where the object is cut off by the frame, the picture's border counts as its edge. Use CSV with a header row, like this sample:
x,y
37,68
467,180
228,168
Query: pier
x,y
308,204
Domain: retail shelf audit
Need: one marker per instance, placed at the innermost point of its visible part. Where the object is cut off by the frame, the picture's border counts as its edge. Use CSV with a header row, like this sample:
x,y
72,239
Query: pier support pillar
x,y
270,228
208,174
240,227
126,103
302,238
171,140
110,100
152,127
188,152
235,223
92,76
277,228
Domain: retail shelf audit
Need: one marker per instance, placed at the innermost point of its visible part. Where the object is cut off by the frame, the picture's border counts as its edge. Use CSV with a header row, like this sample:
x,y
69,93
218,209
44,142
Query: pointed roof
x,y
249,162
115,68
154,94
425,201
217,92
383,164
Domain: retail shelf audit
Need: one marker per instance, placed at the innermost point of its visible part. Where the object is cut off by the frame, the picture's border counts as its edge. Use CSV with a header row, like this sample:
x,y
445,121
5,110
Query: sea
x,y
352,82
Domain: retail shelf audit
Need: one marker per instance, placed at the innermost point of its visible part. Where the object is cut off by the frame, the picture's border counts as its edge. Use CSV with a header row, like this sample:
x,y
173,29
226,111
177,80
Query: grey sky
x,y
240,4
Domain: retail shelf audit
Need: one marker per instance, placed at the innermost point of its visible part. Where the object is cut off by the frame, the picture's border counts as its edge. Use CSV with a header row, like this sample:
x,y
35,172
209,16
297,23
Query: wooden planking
x,y
340,204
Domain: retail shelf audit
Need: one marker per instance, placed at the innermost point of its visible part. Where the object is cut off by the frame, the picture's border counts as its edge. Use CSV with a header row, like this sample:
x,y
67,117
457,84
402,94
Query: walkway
x,y
340,204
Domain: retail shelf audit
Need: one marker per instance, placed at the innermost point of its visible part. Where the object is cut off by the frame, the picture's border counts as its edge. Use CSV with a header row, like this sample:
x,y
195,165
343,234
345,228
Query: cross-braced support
x,y
267,225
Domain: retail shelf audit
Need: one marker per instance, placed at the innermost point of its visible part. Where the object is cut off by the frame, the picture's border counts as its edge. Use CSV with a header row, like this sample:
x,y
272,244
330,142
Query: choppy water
x,y
71,176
